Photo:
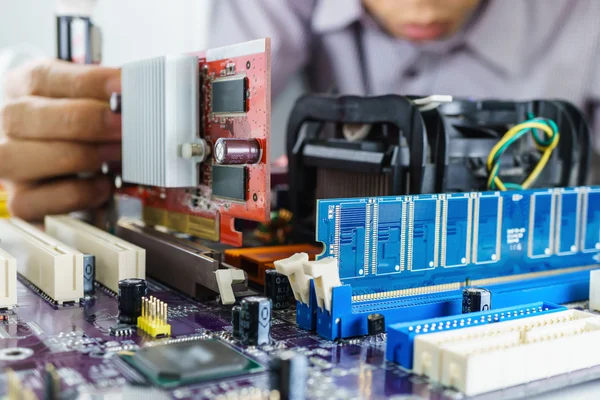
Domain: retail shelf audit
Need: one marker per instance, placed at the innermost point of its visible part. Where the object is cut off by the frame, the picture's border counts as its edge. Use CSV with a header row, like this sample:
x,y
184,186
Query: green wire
x,y
540,141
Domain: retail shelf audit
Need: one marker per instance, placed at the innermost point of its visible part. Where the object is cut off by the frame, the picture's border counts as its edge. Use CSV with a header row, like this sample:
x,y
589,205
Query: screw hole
x,y
248,64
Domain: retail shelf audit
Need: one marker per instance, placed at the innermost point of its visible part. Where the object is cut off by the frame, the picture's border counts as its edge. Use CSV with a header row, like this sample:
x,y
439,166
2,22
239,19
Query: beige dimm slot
x,y
116,259
51,266
8,280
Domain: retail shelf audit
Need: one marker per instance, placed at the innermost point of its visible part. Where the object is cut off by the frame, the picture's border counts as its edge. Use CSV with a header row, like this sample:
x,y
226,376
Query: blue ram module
x,y
389,247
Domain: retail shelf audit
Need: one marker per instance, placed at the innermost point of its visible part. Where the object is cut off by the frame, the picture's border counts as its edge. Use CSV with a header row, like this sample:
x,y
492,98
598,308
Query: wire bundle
x,y
545,143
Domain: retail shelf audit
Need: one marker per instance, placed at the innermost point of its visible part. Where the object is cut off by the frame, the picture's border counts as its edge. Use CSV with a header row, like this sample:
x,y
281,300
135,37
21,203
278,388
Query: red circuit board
x,y
176,208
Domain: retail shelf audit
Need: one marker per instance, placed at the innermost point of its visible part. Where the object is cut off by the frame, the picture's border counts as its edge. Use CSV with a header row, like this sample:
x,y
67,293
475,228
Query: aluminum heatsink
x,y
160,114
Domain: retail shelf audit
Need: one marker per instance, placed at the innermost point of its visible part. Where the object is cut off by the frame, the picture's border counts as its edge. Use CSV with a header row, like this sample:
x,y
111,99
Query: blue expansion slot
x,y
401,337
408,257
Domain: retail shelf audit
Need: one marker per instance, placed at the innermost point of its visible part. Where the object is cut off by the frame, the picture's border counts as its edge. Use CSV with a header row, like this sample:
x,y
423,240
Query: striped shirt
x,y
510,49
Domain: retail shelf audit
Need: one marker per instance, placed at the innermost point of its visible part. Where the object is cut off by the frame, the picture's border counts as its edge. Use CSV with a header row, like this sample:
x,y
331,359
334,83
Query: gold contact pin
x,y
159,316
153,309
166,313
149,308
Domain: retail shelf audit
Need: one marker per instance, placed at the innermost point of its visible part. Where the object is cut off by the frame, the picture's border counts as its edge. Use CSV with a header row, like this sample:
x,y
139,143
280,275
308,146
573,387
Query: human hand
x,y
55,125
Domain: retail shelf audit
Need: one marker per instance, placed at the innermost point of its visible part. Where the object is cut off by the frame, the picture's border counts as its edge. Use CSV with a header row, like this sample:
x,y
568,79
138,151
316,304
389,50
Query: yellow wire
x,y
547,152
542,163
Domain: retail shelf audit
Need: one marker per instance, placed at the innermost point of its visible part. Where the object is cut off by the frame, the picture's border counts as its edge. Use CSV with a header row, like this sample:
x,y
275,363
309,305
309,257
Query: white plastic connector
x,y
493,365
431,102
226,278
428,349
499,355
51,266
595,290
293,268
116,259
8,280
326,275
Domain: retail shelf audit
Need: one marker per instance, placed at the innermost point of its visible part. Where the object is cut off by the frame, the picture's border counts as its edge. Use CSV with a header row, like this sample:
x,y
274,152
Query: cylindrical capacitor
x,y
288,375
278,289
237,151
131,292
476,299
375,324
255,321
235,320
115,103
89,273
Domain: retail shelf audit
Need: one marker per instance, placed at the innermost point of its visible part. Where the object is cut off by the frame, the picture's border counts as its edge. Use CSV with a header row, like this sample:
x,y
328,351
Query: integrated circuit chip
x,y
229,95
177,364
229,182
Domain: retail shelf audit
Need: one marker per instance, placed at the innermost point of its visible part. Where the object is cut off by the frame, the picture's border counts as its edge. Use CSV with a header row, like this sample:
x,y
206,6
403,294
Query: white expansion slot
x,y
8,280
504,354
428,349
116,259
595,290
54,268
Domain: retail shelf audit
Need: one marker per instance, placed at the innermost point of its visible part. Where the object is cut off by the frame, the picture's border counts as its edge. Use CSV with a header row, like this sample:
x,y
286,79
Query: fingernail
x,y
109,152
113,123
114,85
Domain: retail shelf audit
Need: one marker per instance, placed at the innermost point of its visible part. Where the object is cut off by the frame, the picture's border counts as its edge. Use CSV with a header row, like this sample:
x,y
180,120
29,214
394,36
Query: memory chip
x,y
229,96
541,225
190,362
229,182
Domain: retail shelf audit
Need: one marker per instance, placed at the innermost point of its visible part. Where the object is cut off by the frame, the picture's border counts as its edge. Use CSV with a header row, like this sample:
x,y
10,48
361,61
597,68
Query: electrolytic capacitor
x,y
255,321
131,292
476,299
288,375
237,151
375,324
89,273
278,289
235,320
51,383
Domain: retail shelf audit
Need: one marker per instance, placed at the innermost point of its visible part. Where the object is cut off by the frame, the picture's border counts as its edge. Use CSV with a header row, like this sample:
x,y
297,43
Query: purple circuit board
x,y
76,340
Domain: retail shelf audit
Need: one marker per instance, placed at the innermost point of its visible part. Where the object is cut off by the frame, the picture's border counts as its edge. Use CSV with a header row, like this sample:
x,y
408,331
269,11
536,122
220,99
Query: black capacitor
x,y
89,273
51,383
229,151
278,289
131,292
288,375
235,320
476,299
375,324
115,103
255,321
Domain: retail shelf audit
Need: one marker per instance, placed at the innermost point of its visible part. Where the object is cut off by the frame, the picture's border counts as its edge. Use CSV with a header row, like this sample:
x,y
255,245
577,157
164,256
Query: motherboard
x,y
88,350
447,296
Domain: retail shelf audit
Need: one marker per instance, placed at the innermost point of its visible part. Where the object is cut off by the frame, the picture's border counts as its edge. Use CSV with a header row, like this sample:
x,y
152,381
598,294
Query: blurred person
x,y
56,122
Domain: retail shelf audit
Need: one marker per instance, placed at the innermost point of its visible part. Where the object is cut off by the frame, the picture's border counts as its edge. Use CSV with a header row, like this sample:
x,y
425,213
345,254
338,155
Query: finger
x,y
24,160
51,78
33,202
83,120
